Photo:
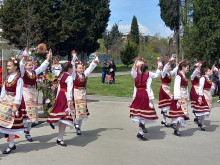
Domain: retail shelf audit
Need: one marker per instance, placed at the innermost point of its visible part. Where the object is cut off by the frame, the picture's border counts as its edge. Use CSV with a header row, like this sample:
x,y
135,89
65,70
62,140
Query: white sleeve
x,y
90,68
58,90
69,93
174,71
74,70
3,92
194,74
201,85
155,75
19,91
22,70
135,91
134,73
42,67
165,69
177,90
149,89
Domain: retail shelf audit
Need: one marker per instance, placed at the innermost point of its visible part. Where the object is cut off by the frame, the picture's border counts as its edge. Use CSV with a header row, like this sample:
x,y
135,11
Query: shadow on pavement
x,y
87,137
154,133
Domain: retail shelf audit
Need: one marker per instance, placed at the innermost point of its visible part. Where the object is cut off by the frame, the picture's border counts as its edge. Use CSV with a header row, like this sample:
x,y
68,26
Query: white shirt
x,y
40,69
69,93
19,89
165,71
201,85
148,84
194,74
56,69
177,87
87,71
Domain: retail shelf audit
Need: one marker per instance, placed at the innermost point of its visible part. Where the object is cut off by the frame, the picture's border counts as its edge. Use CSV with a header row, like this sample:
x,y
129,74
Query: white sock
x,y
11,142
25,126
164,118
141,131
62,128
29,127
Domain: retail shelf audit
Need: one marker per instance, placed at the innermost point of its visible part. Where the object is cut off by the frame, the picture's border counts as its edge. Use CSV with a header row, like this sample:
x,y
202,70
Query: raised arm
x,y
45,64
92,66
74,60
21,66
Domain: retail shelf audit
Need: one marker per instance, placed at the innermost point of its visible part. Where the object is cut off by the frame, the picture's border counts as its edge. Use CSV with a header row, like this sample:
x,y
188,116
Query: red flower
x,y
42,48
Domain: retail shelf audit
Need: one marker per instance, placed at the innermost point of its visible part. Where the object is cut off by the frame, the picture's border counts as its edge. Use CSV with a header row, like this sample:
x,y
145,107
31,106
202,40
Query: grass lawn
x,y
123,87
120,68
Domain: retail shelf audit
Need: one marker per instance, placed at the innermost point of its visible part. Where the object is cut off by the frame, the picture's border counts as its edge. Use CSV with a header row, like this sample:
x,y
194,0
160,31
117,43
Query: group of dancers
x,y
18,99
19,106
172,105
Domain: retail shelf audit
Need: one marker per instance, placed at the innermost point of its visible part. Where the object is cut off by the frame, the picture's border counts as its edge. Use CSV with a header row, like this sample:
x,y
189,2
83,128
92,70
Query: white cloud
x,y
163,30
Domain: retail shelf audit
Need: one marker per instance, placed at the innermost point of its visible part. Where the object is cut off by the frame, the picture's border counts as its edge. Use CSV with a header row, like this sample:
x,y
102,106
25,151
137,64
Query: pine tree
x,y
129,53
134,34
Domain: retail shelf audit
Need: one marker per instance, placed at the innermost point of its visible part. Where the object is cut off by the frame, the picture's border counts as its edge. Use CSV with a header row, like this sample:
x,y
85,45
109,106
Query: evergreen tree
x,y
202,34
134,34
129,53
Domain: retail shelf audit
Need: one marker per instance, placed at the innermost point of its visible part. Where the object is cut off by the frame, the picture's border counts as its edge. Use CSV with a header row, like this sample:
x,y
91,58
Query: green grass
x,y
123,87
120,68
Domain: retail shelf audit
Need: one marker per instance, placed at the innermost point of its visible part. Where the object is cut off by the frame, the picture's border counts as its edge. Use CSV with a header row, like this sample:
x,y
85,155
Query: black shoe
x,y
165,124
61,143
141,137
6,136
10,149
143,127
52,126
202,128
177,133
28,137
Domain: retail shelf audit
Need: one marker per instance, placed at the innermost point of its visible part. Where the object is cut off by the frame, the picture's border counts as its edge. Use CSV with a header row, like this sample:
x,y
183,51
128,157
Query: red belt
x,y
141,88
166,84
63,90
207,89
196,85
76,87
27,85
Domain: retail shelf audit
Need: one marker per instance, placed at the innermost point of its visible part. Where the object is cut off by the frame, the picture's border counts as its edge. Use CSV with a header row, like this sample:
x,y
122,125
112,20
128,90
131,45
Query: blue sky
x,y
146,11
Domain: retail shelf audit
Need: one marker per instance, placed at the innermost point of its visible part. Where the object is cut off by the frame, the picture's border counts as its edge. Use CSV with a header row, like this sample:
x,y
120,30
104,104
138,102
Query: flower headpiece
x,y
42,48
57,59
14,60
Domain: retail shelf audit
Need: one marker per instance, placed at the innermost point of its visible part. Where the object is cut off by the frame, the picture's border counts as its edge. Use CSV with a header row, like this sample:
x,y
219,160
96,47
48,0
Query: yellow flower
x,y
50,76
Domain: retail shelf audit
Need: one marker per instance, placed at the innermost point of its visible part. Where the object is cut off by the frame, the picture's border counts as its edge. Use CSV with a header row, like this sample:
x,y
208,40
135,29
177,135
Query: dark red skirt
x,y
176,112
140,106
193,96
164,99
204,107
58,112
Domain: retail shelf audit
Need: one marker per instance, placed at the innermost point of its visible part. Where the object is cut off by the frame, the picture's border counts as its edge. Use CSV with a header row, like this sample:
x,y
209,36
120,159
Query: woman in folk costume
x,y
194,92
203,104
142,109
178,108
165,95
30,90
134,72
56,67
79,77
62,113
12,106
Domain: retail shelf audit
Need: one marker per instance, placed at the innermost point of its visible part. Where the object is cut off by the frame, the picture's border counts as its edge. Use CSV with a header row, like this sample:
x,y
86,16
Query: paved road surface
x,y
109,138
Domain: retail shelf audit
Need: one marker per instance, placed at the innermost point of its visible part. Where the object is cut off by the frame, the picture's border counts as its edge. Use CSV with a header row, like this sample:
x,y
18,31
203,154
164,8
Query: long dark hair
x,y
204,70
15,64
65,68
182,64
143,70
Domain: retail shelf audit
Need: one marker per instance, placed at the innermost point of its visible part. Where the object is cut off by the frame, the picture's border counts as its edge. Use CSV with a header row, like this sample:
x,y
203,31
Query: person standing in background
x,y
112,69
104,71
